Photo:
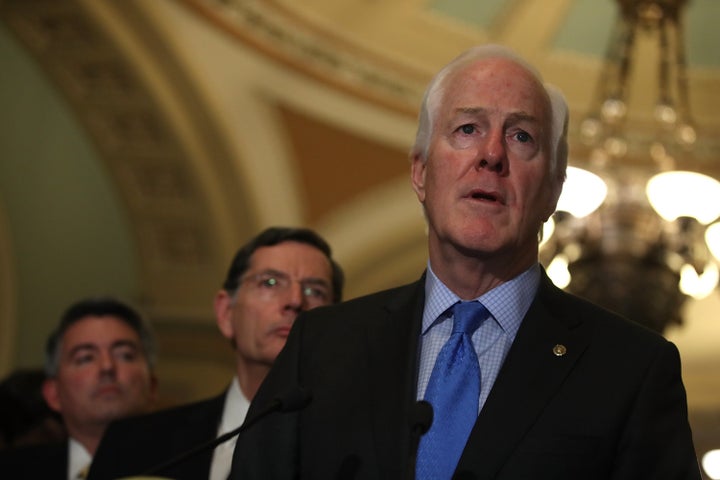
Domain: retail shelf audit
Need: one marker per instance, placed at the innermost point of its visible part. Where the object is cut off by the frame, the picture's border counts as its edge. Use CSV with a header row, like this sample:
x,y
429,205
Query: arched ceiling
x,y
211,119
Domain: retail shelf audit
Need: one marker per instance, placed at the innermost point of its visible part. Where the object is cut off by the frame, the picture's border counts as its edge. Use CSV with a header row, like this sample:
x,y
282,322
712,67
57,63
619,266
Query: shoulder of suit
x,y
604,322
183,412
52,453
384,297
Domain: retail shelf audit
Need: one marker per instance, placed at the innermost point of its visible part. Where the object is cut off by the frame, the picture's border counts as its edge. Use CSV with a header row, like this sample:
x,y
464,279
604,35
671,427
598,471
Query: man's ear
x,y
418,168
223,314
51,395
557,187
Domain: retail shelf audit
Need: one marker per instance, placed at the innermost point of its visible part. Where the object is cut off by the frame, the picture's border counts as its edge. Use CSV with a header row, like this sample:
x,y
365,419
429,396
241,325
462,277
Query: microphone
x,y
421,417
293,400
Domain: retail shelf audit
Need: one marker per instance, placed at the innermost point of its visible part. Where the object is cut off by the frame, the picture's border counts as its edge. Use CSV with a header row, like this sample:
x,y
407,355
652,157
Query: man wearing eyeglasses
x,y
275,276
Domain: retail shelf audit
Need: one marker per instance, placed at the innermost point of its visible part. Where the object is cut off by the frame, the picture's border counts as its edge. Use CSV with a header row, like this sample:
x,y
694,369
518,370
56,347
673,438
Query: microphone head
x,y
294,399
421,416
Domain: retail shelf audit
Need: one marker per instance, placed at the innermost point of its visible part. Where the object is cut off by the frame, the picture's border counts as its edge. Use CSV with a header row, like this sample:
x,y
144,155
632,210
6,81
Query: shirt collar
x,y
507,303
78,458
236,407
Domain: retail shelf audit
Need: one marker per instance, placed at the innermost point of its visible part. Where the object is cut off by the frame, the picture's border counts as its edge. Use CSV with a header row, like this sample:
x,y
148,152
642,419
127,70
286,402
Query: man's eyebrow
x,y
91,346
516,117
512,117
469,110
272,271
316,281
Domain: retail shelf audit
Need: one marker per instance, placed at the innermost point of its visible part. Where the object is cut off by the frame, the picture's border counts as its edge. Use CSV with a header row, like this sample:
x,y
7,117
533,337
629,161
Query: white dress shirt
x,y
507,303
234,411
78,459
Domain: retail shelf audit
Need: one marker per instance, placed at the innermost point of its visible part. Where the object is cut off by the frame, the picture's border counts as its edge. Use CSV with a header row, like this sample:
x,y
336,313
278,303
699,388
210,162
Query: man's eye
x,y
467,129
127,355
523,137
316,292
82,359
269,282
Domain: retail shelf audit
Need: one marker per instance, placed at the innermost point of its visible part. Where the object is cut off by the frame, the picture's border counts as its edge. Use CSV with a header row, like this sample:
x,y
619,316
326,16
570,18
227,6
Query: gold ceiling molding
x,y
158,158
277,33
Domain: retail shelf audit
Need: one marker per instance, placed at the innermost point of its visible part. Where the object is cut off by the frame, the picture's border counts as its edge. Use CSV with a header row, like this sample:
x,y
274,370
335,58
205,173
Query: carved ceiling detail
x,y
171,217
269,28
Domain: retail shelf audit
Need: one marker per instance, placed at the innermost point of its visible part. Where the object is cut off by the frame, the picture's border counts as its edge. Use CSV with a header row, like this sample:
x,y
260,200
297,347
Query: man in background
x,y
99,366
275,276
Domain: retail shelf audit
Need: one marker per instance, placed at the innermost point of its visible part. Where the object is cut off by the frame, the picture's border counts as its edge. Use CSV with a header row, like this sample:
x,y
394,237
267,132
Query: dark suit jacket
x,y
46,462
133,445
612,407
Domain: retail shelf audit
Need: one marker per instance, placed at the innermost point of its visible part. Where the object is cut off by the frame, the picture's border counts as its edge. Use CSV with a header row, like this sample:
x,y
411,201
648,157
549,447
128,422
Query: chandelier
x,y
637,227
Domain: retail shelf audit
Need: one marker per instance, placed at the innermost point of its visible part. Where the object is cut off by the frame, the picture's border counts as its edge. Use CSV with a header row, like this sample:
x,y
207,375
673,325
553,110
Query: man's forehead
x,y
92,328
485,92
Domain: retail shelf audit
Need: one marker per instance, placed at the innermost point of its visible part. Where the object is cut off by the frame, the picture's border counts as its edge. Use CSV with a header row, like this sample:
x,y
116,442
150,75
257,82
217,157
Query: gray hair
x,y
436,89
99,307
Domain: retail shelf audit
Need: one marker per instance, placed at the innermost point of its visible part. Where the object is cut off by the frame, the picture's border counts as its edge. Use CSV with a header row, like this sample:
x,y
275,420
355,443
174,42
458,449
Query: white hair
x,y
435,92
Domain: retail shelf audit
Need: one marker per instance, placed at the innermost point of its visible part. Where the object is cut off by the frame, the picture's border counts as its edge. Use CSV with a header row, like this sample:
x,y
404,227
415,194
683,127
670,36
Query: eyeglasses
x,y
270,285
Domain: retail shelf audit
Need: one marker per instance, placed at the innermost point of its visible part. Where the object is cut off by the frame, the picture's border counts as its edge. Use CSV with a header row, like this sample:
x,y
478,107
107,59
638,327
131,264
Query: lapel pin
x,y
559,350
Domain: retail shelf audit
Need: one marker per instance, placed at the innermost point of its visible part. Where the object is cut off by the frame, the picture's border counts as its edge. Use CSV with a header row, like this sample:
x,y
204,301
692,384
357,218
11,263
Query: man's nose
x,y
107,362
492,154
294,296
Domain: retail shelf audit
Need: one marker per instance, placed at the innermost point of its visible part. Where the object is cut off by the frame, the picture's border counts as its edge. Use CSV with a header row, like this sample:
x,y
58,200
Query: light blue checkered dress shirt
x,y
507,305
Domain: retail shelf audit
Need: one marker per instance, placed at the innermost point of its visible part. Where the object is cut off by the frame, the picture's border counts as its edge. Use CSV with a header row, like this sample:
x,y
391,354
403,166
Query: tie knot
x,y
467,316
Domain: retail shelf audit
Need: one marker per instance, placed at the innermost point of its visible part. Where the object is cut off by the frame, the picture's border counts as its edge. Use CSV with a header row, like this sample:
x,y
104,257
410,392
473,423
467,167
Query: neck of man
x,y
471,274
88,436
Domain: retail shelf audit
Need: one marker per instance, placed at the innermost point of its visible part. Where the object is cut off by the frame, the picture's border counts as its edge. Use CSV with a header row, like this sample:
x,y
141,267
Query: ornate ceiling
x,y
207,120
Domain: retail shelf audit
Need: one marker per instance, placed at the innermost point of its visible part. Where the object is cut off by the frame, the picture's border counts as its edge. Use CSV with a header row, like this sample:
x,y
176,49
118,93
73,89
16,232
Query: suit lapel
x,y
531,374
390,367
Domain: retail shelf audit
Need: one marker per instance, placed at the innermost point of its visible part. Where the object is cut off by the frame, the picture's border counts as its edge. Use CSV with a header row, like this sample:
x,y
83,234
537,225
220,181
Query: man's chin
x,y
118,407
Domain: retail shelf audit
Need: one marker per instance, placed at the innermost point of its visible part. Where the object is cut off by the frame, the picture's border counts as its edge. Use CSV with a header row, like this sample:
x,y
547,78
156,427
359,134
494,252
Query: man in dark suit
x,y
276,275
99,366
552,387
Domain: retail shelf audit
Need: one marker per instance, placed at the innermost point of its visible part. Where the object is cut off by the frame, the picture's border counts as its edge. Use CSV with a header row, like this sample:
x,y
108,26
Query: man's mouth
x,y
283,331
108,390
484,195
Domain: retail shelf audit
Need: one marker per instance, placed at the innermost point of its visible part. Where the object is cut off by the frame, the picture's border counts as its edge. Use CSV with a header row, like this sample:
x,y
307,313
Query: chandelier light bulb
x,y
686,135
615,146
698,286
613,110
665,114
590,128
558,271
684,194
583,193
657,151
711,464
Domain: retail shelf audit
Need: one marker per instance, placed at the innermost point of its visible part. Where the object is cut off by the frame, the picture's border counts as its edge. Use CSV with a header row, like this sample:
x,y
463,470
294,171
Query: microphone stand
x,y
291,401
421,418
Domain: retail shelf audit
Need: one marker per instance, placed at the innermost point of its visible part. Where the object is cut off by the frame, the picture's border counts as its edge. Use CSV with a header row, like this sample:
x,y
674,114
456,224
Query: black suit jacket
x,y
133,445
46,462
612,407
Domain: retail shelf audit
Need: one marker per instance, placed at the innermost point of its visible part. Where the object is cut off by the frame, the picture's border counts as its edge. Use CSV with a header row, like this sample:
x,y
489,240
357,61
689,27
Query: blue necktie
x,y
453,391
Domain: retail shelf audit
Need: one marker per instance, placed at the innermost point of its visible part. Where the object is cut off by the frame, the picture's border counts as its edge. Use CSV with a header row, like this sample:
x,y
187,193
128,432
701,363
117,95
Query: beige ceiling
x,y
208,120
